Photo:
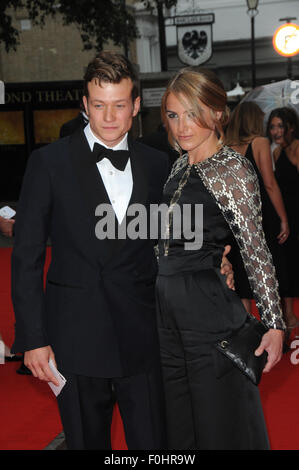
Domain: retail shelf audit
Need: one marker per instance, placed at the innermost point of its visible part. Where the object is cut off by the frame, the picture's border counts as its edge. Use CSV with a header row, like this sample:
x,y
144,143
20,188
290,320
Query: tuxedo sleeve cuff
x,y
22,345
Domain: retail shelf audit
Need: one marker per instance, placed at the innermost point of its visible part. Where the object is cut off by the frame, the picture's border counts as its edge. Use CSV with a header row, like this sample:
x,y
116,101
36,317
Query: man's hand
x,y
227,269
272,342
6,226
37,360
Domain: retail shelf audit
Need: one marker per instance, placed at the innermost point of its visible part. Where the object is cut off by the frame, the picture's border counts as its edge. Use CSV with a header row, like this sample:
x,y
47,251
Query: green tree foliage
x,y
97,20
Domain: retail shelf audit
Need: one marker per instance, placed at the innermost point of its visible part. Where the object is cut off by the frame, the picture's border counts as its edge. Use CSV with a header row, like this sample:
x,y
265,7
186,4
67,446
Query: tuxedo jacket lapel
x,y
94,192
140,176
139,195
91,185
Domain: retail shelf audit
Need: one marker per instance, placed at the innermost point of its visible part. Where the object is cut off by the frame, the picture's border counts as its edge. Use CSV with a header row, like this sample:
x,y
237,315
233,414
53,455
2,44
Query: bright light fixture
x,y
286,39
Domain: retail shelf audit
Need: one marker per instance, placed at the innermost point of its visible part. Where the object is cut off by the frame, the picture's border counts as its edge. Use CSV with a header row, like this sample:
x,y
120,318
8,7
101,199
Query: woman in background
x,y
283,129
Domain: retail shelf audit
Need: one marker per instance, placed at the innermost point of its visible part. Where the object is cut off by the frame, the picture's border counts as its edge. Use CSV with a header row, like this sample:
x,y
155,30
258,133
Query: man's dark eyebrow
x,y
116,101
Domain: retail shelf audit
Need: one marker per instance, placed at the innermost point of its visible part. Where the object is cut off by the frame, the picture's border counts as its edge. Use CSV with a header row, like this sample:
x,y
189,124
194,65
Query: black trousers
x,y
210,404
86,407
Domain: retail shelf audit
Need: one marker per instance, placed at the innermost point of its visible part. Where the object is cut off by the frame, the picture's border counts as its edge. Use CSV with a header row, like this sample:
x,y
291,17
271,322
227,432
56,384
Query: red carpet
x,y
29,416
28,412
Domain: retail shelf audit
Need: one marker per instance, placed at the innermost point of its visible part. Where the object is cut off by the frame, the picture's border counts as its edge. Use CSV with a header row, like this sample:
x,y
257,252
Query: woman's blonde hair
x,y
191,86
245,124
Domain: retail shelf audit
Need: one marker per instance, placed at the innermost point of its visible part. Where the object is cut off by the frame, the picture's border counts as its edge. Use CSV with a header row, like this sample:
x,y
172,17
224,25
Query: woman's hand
x,y
227,269
272,342
284,232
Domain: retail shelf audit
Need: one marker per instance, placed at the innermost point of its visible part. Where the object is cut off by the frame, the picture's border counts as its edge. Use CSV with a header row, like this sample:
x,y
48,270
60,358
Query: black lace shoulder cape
x,y
232,181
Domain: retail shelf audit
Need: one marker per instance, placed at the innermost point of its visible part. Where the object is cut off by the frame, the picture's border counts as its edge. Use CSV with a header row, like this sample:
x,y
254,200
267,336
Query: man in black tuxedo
x,y
96,319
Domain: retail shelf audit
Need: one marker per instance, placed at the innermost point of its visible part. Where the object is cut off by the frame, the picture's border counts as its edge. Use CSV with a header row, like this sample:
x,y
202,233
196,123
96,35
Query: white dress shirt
x,y
118,184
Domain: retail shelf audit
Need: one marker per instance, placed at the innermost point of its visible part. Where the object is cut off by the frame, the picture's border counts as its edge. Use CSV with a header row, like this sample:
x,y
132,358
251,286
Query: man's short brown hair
x,y
111,67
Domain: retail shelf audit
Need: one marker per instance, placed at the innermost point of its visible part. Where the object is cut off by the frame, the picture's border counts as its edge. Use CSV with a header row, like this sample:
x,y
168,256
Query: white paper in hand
x,y
61,380
7,212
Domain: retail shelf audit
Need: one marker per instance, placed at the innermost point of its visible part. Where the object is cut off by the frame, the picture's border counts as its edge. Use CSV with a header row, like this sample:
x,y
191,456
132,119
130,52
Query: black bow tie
x,y
118,158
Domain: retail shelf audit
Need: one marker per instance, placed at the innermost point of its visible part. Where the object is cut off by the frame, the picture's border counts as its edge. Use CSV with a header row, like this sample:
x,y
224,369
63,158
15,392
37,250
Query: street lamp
x,y
162,36
252,12
126,46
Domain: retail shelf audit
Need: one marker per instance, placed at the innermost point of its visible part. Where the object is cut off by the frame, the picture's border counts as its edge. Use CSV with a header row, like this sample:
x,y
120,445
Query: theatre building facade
x,y
43,78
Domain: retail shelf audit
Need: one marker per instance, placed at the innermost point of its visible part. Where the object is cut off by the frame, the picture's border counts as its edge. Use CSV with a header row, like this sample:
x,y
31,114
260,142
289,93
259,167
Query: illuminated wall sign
x,y
286,39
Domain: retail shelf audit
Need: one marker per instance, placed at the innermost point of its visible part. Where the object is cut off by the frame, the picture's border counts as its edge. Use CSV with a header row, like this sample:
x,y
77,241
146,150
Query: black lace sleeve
x,y
231,179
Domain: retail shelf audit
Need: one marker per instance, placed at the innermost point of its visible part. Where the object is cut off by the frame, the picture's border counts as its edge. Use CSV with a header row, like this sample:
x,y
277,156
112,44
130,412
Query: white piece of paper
x,y
61,380
2,352
7,212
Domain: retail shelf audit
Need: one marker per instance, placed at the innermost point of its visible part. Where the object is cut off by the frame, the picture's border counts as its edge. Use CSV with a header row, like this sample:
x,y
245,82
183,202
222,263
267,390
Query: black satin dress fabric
x,y
287,177
271,227
210,404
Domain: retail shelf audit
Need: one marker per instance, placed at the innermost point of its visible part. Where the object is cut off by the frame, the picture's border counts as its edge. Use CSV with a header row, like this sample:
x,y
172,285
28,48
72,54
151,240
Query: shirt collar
x,y
91,138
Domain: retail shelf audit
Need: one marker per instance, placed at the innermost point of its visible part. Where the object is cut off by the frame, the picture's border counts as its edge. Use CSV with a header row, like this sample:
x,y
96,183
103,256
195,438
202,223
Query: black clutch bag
x,y
240,347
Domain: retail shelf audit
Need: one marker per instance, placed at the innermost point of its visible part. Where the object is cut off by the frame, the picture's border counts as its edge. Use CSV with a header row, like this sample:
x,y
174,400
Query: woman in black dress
x,y
210,403
244,134
283,129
